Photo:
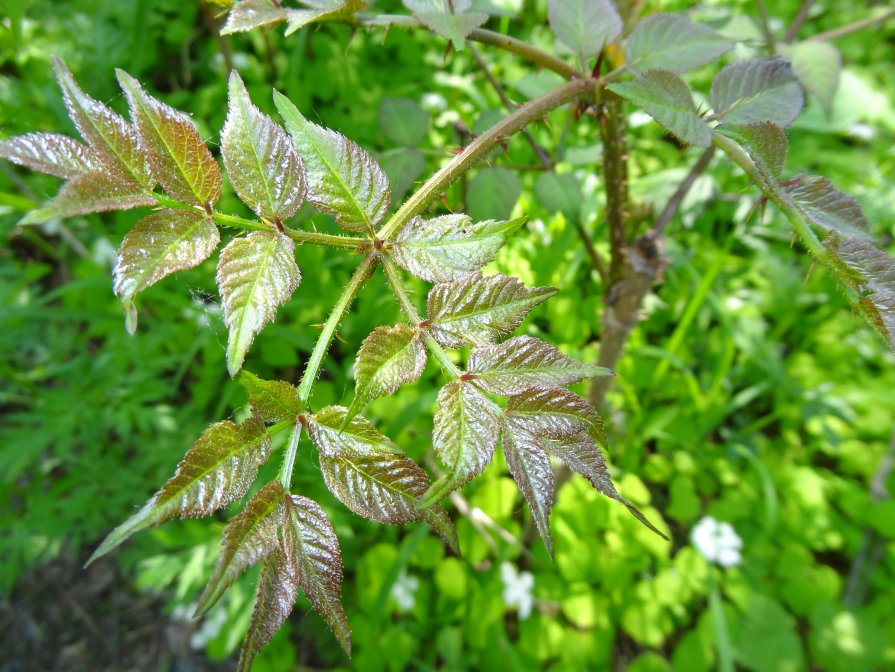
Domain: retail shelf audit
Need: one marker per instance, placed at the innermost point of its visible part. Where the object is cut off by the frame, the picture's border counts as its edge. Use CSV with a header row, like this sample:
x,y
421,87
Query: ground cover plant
x,y
490,388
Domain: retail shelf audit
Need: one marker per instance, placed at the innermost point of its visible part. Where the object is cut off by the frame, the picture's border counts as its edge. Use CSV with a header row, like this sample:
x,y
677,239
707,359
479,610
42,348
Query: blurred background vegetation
x,y
750,393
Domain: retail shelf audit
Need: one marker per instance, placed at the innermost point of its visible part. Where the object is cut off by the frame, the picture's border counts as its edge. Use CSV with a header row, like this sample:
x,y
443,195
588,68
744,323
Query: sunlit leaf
x,y
343,180
158,245
464,437
672,42
828,208
765,143
475,310
530,467
217,470
248,537
321,10
247,15
584,26
761,89
274,600
271,400
334,434
312,551
177,156
388,358
522,363
818,66
52,154
667,99
453,25
557,412
446,247
260,158
256,274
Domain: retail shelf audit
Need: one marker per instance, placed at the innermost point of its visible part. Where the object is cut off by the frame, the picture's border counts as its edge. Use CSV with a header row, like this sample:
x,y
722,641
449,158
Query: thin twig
x,y
766,24
674,203
852,27
798,21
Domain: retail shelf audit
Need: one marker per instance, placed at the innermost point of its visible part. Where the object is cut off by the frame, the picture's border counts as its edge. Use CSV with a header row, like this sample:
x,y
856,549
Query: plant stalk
x,y
852,27
289,456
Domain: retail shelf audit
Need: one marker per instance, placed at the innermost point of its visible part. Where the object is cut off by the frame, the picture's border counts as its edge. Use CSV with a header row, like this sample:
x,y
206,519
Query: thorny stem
x,y
852,27
798,21
615,177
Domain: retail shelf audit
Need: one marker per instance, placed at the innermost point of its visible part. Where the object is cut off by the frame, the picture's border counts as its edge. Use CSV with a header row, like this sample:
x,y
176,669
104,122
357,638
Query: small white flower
x,y
403,590
433,103
517,587
104,253
717,542
861,131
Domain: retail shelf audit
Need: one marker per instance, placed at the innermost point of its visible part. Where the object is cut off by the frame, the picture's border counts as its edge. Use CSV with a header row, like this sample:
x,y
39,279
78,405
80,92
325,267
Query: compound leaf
x,y
256,274
828,208
250,14
388,358
584,26
158,245
343,180
760,89
177,156
672,42
522,363
666,98
51,153
557,412
452,25
217,470
446,247
274,600
248,537
271,400
474,310
333,433
312,553
260,158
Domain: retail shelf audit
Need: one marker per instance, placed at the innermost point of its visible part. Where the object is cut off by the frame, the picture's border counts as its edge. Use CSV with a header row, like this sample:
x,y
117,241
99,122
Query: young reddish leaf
x,y
343,180
105,131
530,466
761,89
828,208
312,552
464,437
333,433
388,358
672,42
260,158
248,537
50,153
274,600
271,400
475,310
584,26
447,247
453,25
177,156
158,245
217,470
247,15
523,363
384,488
557,413
818,66
256,274
667,99
764,141
88,193
321,10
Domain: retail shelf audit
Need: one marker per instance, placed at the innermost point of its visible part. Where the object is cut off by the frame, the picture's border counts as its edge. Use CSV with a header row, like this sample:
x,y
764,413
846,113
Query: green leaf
x,y
388,358
271,400
106,131
402,166
453,25
333,433
560,193
247,15
761,89
828,208
666,98
403,121
584,26
256,274
274,600
529,465
557,413
464,437
343,180
447,247
177,156
50,153
159,245
818,66
765,143
312,552
89,193
384,488
321,10
475,310
217,470
260,158
248,537
492,193
672,42
523,363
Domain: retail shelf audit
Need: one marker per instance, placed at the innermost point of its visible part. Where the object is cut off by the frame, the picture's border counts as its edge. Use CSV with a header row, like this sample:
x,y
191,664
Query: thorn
x,y
456,151
443,198
280,227
595,73
447,51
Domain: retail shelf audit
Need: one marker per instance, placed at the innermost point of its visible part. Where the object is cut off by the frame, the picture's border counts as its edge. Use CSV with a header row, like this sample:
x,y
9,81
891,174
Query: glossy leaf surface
x,y
271,400
333,434
388,358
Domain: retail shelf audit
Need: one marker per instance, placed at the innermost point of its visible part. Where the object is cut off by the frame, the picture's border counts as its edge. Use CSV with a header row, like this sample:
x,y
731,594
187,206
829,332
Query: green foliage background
x,y
750,393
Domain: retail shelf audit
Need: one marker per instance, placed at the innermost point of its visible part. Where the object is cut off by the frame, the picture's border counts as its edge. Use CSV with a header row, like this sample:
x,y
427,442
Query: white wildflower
x,y
403,590
517,587
717,542
433,103
104,253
